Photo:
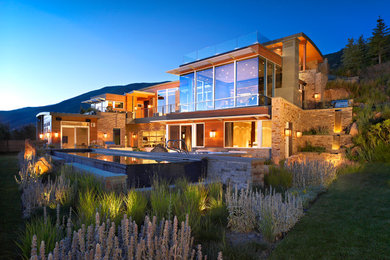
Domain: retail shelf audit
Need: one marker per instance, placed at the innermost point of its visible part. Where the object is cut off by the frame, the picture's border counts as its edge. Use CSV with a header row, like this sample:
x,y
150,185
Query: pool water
x,y
118,159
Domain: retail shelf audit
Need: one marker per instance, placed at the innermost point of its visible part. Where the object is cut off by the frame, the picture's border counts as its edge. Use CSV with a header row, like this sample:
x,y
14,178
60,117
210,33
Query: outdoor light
x,y
105,135
299,134
316,95
135,108
287,132
41,136
149,106
134,135
55,135
48,135
212,133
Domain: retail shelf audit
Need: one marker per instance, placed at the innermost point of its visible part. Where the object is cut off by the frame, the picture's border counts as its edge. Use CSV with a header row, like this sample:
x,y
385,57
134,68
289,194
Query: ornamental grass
x,y
154,240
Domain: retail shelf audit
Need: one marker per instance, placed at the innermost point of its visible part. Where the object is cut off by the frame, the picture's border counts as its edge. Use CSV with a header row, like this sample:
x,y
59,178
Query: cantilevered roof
x,y
313,53
246,52
138,92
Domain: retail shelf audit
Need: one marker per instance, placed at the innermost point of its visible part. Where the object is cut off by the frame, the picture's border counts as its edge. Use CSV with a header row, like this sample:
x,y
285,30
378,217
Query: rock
x,y
42,166
159,149
29,150
354,129
378,115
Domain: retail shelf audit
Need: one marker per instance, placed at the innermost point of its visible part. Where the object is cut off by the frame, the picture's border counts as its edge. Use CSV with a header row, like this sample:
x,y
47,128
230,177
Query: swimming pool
x,y
140,170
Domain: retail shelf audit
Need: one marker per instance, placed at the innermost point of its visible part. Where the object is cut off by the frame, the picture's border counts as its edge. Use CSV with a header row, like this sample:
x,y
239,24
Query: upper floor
x,y
248,74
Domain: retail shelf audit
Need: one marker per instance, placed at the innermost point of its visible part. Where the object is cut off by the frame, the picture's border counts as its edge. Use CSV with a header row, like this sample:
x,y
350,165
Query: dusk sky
x,y
55,50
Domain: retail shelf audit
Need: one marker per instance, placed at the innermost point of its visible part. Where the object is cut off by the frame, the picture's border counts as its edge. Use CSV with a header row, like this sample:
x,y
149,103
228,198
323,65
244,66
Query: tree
x,y
5,133
380,41
350,57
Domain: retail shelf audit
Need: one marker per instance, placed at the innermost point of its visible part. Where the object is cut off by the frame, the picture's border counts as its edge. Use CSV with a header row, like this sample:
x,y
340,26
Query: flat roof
x,y
66,114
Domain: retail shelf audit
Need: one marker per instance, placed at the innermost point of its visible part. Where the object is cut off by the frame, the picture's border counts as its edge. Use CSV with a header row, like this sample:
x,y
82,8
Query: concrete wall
x,y
290,71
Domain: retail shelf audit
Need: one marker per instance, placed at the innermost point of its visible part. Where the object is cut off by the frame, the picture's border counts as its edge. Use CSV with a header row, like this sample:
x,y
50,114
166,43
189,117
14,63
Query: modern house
x,y
249,95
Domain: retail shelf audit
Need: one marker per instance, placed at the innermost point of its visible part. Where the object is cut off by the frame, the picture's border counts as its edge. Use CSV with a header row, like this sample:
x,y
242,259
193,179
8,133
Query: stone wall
x,y
315,83
335,158
236,171
303,120
106,124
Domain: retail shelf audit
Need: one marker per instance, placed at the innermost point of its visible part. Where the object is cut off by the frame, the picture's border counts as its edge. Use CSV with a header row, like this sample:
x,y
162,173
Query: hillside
x,y
23,116
334,59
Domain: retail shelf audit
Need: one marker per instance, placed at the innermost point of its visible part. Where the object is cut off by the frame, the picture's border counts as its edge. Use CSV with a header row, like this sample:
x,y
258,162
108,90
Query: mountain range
x,y
24,116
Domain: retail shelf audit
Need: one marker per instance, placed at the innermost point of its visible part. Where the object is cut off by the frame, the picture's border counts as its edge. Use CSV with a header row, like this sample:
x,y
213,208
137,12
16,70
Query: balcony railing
x,y
223,103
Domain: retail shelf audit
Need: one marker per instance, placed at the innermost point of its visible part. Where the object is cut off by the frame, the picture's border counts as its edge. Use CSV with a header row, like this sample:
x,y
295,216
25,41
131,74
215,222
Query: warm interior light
x,y
316,95
48,135
55,135
287,132
41,136
105,135
212,133
299,134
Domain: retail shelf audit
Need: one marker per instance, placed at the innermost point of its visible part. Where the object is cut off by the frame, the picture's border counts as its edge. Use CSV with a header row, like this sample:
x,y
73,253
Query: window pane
x,y
224,86
118,104
199,134
241,134
261,80
247,82
266,134
187,92
204,90
161,101
270,78
172,100
278,77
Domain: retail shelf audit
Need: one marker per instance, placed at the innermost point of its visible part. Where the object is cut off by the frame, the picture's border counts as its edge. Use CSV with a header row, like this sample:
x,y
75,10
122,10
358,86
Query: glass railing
x,y
237,43
247,100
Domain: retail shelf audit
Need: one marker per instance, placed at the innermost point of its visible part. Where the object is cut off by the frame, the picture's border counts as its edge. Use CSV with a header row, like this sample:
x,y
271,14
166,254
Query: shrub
x,y
310,148
321,130
136,204
278,177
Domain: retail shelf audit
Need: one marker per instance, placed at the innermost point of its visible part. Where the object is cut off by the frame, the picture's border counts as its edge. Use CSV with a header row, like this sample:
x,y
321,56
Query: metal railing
x,y
181,146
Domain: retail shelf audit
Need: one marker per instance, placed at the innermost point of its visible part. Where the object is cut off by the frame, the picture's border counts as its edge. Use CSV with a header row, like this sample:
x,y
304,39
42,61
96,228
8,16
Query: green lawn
x,y
10,206
351,220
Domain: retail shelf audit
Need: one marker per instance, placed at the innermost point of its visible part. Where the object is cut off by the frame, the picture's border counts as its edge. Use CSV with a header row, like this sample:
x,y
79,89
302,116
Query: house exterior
x,y
250,96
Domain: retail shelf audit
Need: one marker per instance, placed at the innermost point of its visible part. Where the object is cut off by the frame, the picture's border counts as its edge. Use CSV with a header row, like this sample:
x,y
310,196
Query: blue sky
x,y
54,50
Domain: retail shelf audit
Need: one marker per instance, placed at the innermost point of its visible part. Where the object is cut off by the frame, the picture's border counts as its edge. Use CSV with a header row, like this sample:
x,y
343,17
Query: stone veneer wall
x,y
237,172
302,120
107,122
315,83
336,159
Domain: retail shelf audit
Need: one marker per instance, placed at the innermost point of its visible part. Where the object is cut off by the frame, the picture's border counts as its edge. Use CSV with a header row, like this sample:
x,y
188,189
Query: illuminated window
x,y
118,104
152,138
241,134
266,133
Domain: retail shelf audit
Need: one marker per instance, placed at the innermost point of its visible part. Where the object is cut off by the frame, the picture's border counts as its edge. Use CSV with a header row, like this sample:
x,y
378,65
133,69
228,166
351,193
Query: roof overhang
x,y
138,92
246,52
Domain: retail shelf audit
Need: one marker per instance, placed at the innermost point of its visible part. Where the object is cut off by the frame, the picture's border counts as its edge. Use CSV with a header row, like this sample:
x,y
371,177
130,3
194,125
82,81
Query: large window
x,y
266,133
187,92
152,138
241,134
270,79
247,86
224,86
166,102
204,90
242,83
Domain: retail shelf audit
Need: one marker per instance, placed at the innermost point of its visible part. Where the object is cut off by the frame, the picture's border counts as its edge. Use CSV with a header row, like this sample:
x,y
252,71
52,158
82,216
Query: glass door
x,y
186,136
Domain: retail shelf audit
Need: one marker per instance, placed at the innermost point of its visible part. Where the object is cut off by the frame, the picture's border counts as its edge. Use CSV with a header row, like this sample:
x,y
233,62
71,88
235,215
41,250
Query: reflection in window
x,y
278,77
270,78
242,134
187,92
224,86
247,82
166,102
261,81
204,90
266,133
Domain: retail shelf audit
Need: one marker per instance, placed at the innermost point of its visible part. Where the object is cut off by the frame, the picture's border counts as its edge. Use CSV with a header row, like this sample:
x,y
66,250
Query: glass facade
x,y
238,84
224,86
241,134
247,84
187,92
204,90
166,102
